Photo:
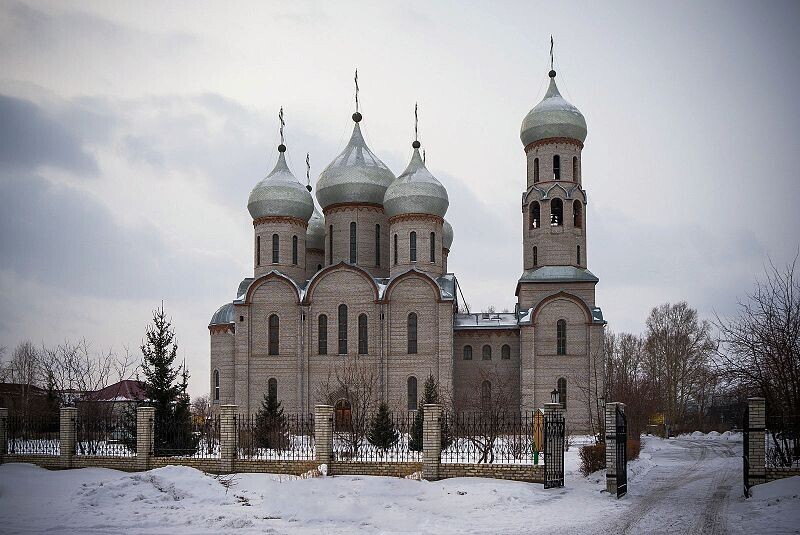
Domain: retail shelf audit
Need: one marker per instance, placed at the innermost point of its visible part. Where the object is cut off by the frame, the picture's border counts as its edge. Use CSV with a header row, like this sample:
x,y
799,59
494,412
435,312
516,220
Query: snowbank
x,y
775,504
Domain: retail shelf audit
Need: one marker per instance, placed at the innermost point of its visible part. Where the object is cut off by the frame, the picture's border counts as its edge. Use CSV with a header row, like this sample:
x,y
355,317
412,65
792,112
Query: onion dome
x,y
447,235
224,315
553,117
355,176
280,194
315,235
416,191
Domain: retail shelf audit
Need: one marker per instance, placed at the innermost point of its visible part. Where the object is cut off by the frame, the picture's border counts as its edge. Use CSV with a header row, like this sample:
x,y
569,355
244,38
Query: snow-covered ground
x,y
688,484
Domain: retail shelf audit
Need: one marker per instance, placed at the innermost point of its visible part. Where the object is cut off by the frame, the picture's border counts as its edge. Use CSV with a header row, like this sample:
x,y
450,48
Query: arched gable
x,y
562,295
416,274
272,276
555,187
335,268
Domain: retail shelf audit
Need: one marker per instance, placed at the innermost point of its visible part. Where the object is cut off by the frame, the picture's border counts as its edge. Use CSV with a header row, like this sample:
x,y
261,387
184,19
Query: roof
x,y
224,315
18,389
553,117
280,194
485,320
416,191
558,274
126,390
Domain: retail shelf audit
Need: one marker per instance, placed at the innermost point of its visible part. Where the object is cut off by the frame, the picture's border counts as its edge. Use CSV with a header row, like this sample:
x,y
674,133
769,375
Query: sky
x,y
131,134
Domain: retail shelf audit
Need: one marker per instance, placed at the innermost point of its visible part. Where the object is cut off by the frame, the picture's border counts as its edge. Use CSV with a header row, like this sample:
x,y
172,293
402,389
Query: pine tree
x,y
270,429
382,433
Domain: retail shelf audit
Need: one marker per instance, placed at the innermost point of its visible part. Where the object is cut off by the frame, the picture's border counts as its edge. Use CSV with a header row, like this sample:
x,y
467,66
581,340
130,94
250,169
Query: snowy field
x,y
684,485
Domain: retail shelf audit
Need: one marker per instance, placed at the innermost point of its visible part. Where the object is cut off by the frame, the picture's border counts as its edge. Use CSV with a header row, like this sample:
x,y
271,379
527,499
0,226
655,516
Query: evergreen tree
x,y
270,429
430,395
382,433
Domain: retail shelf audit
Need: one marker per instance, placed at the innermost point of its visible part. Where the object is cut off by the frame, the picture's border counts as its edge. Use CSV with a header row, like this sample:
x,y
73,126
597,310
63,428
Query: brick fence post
x,y
67,435
323,435
431,440
757,422
3,433
144,436
228,440
611,445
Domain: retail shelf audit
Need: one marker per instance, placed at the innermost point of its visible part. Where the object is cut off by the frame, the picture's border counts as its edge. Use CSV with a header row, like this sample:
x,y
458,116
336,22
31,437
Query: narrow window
x,y
486,394
294,250
330,245
486,352
395,249
556,167
579,255
319,266
275,253
322,335
258,250
352,243
536,170
577,214
535,256
216,385
412,393
561,337
562,392
505,352
362,334
574,168
556,213
274,334
412,246
272,389
412,333
342,329
377,245
467,352
433,247
536,215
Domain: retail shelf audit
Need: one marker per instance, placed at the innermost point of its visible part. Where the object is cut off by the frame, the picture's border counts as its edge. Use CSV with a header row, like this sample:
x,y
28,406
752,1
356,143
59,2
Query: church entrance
x,y
343,416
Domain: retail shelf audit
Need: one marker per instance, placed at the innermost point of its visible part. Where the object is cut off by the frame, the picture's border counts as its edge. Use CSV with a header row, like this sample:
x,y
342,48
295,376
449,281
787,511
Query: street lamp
x,y
554,396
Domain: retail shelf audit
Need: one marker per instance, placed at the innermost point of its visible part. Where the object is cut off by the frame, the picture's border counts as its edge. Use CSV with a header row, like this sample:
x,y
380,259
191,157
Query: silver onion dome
x,y
355,176
315,235
553,117
447,235
416,191
224,315
280,194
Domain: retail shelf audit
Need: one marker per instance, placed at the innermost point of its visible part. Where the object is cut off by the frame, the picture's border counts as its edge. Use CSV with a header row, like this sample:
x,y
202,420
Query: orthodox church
x,y
365,283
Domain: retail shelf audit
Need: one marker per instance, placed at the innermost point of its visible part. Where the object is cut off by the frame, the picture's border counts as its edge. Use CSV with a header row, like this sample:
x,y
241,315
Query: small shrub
x,y
632,449
593,458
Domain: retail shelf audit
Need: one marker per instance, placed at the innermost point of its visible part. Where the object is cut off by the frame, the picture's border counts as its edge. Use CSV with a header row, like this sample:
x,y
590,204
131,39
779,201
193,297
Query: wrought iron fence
x,y
197,438
289,437
392,438
782,437
33,435
492,437
107,435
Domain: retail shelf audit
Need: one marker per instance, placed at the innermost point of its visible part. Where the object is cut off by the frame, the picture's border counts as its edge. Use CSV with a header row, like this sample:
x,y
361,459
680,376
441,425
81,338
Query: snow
x,y
778,500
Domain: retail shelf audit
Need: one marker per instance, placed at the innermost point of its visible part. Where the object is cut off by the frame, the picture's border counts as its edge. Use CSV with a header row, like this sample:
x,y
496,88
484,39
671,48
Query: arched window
x,y
274,334
556,167
561,337
535,256
433,247
579,255
536,170
412,333
275,249
322,335
353,242
377,245
577,214
330,245
258,250
272,389
486,394
294,250
216,385
395,249
412,393
486,352
556,213
343,416
574,168
536,215
342,329
362,334
467,352
562,392
505,352
412,246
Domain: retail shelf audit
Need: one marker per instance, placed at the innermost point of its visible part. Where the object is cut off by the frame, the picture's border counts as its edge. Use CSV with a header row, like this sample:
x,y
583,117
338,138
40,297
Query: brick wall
x,y
373,469
515,472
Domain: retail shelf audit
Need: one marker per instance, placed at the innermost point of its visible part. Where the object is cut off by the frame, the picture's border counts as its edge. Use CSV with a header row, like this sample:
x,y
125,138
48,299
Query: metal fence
x,y
197,438
490,437
389,438
782,437
106,435
284,438
33,435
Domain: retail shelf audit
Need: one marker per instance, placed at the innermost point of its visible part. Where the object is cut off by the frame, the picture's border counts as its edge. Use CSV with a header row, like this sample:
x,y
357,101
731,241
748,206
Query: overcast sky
x,y
132,133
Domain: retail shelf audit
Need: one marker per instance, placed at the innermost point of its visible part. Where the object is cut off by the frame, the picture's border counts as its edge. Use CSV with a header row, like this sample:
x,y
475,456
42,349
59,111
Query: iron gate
x,y
553,451
746,450
622,453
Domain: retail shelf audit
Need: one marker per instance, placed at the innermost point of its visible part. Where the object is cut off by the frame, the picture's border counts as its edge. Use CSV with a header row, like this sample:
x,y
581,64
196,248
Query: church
x,y
361,291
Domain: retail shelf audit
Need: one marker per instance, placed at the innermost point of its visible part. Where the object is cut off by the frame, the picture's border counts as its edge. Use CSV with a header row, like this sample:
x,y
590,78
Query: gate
x,y
746,450
622,453
553,451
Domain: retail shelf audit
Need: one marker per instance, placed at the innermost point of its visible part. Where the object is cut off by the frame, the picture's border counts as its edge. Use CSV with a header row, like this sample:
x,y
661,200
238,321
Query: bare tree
x,y
23,369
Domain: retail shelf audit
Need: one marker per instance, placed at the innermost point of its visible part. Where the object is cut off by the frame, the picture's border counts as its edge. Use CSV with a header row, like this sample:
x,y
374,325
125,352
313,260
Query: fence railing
x,y
488,437
285,438
33,435
197,438
393,438
106,435
782,441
